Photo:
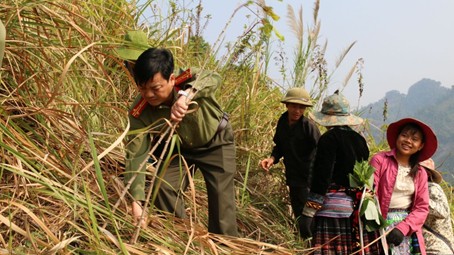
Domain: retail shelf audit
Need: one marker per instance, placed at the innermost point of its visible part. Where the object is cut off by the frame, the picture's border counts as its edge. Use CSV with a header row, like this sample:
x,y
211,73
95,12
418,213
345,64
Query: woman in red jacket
x,y
401,184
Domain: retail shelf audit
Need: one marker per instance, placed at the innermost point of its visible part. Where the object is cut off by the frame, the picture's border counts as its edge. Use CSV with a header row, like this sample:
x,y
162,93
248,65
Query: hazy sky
x,y
401,41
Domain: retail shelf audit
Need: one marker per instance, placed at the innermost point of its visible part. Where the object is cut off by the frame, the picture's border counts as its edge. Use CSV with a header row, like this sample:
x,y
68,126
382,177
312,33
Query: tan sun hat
x,y
434,175
297,96
335,112
135,43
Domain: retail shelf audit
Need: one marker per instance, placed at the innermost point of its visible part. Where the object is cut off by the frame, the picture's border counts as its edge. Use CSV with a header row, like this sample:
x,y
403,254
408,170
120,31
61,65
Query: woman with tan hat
x,y
401,184
328,216
295,140
437,230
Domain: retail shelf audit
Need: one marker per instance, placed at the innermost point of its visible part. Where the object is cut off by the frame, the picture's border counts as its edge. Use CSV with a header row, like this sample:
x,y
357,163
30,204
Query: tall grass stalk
x,y
64,100
244,194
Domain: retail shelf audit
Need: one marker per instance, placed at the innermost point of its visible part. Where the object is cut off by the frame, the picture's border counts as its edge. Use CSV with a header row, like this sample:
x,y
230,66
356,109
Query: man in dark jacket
x,y
295,140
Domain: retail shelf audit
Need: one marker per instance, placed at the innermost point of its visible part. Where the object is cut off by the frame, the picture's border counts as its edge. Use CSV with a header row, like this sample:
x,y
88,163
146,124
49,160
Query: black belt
x,y
223,122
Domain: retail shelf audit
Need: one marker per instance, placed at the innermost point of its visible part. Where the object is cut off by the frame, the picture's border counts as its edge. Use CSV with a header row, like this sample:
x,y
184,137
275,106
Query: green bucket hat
x,y
297,96
336,112
134,44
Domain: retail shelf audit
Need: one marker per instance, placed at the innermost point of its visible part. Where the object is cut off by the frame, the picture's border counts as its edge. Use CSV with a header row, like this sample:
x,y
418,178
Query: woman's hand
x,y
395,237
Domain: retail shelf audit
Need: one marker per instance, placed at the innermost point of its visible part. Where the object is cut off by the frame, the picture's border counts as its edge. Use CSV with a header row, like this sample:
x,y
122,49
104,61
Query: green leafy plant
x,y
369,212
362,175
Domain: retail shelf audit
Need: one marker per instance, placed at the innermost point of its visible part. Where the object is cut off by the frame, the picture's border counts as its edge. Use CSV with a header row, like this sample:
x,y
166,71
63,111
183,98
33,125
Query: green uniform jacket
x,y
195,130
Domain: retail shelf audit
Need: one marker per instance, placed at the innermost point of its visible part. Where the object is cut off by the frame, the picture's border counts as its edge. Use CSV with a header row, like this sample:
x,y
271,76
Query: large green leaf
x,y
371,216
354,181
363,175
371,212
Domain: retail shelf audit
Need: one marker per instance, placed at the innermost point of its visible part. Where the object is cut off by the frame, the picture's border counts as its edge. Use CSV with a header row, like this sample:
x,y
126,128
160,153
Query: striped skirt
x,y
333,236
335,233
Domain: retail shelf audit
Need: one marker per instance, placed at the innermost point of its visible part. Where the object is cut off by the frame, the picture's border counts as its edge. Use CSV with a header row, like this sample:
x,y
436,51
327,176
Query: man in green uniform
x,y
206,139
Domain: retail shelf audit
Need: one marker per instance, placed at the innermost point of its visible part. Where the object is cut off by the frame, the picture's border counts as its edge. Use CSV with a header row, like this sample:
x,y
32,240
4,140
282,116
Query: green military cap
x,y
134,44
297,96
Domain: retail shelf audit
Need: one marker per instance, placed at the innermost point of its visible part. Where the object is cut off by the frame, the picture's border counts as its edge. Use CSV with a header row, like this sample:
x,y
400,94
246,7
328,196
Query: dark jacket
x,y
297,144
337,152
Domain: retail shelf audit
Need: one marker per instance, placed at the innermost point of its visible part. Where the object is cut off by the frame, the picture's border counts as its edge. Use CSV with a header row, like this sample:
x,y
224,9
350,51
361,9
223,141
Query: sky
x,y
400,41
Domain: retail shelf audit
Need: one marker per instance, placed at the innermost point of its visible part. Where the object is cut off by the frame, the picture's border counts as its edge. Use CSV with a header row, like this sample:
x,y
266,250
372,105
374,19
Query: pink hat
x,y
429,165
430,139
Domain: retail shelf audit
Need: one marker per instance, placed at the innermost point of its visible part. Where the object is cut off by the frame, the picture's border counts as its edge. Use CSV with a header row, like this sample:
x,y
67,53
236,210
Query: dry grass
x,y
64,97
64,100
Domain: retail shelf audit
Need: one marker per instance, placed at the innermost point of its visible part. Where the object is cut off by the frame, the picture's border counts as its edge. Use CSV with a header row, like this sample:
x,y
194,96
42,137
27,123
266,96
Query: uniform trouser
x,y
298,198
216,161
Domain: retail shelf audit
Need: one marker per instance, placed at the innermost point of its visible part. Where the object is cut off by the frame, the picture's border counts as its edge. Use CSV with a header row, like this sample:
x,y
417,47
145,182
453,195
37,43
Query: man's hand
x,y
267,163
179,109
137,211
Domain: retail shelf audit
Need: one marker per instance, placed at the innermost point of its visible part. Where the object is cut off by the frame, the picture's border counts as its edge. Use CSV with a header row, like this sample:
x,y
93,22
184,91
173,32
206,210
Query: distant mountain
x,y
427,101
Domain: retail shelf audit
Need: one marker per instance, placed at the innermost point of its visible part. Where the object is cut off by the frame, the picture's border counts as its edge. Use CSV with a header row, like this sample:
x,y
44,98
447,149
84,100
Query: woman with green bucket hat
x,y
295,140
328,216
